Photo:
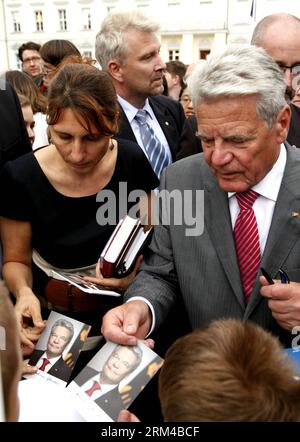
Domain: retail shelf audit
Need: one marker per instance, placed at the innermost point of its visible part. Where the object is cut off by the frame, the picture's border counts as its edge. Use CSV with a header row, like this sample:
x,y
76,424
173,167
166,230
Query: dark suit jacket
x,y
170,116
203,269
189,144
294,132
60,369
14,140
110,402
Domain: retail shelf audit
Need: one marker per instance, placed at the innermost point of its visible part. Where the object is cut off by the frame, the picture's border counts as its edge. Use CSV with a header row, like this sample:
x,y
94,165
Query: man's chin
x,y
231,186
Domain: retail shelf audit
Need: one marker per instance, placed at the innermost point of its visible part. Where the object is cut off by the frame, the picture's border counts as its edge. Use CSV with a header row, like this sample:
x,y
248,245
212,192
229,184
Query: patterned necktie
x,y
247,240
157,154
44,364
94,387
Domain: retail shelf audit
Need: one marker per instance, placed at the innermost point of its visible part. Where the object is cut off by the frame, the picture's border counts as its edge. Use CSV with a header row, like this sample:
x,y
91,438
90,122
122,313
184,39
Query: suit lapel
x,y
166,123
285,226
218,224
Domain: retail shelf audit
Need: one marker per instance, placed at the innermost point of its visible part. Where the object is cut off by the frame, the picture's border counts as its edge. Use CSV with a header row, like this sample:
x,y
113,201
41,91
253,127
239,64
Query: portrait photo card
x,y
113,379
58,348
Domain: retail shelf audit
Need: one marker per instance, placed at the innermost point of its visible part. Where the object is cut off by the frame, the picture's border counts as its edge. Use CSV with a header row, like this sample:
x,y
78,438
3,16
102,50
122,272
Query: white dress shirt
x,y
263,207
97,393
52,361
131,111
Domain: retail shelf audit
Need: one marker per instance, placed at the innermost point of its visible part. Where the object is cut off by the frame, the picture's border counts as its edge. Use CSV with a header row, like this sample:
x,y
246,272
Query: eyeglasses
x,y
294,68
31,60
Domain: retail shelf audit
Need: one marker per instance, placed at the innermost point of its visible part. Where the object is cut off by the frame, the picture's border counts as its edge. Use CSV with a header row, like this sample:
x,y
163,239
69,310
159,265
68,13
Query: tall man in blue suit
x,y
242,124
128,49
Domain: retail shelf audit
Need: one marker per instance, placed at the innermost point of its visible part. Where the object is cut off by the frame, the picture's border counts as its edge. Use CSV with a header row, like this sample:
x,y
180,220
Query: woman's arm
x,y
17,252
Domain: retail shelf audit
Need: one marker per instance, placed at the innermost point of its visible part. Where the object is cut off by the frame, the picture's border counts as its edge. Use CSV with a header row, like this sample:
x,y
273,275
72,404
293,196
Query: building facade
x,y
190,29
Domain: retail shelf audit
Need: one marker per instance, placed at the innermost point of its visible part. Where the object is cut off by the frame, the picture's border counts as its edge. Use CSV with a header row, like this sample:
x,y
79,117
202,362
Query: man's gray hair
x,y
241,70
110,43
66,324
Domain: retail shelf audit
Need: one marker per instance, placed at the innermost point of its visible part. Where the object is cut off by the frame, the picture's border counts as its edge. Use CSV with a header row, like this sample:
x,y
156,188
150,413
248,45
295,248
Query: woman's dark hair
x,y
24,85
90,94
53,51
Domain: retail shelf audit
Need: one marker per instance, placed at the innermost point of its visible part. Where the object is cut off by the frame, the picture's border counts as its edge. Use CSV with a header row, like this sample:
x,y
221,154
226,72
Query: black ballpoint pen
x,y
284,279
266,275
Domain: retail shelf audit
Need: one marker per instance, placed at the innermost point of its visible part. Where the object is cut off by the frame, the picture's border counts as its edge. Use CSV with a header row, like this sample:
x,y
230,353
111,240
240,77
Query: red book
x,y
123,248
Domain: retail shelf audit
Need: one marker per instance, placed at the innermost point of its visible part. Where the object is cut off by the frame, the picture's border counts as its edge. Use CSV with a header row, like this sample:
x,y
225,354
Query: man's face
x,y
118,365
283,45
239,147
171,80
31,62
141,72
57,341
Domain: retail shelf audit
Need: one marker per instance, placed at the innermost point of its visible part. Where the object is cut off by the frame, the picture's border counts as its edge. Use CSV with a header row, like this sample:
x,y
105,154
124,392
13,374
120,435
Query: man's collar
x,y
131,110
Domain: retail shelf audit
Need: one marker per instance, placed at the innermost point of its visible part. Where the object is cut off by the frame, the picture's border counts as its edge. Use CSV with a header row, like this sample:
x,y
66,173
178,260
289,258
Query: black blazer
x,y
60,369
14,140
111,402
189,144
294,132
170,116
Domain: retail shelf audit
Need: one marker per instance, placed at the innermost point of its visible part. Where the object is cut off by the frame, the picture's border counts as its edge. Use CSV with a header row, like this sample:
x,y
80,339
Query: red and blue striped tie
x,y
247,240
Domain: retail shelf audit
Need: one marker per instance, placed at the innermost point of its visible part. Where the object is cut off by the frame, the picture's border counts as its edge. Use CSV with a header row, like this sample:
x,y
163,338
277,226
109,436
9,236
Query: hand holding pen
x,y
284,279
283,298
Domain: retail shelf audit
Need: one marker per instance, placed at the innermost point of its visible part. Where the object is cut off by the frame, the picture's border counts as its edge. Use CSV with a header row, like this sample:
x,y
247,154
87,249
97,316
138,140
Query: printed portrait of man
x,y
51,359
104,386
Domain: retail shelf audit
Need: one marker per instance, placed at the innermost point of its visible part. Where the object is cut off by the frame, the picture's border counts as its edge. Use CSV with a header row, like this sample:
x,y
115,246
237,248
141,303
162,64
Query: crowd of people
x,y
219,129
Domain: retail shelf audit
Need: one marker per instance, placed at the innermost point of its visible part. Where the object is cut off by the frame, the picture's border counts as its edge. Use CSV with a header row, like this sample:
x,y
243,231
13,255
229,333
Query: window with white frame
x,y
15,15
86,19
174,54
39,25
62,17
87,53
18,62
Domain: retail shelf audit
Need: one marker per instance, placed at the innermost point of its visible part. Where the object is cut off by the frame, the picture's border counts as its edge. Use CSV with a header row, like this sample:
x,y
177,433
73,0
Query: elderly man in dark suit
x,y
251,211
128,48
51,359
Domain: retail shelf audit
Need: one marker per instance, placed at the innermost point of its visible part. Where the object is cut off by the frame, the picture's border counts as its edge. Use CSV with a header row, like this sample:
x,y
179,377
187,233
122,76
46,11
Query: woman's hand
x,y
28,312
118,284
28,369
